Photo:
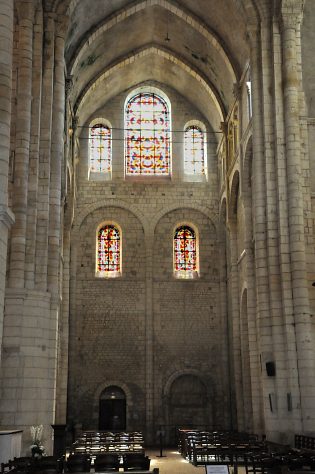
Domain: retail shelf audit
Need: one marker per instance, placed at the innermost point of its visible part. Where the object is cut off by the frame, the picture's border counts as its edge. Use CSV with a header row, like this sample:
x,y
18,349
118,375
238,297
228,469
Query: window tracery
x,y
147,123
185,252
194,150
100,148
108,251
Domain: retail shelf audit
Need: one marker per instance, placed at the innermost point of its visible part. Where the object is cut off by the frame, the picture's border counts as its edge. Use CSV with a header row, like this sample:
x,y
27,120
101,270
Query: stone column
x,y
253,329
259,202
55,205
149,349
235,323
41,258
57,159
291,21
276,350
34,152
22,138
6,216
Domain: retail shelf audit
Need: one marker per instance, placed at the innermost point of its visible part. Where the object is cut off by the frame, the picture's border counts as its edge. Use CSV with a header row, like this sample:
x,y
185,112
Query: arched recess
x,y
112,409
247,170
179,205
245,355
188,402
233,197
88,209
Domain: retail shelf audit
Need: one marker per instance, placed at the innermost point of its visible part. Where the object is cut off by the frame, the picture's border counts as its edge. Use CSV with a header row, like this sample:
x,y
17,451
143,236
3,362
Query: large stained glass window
x,y
185,252
108,251
147,124
100,148
194,150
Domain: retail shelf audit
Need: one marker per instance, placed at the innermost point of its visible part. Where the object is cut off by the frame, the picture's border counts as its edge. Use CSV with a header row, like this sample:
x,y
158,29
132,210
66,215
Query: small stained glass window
x,y
108,251
194,150
147,126
100,149
185,252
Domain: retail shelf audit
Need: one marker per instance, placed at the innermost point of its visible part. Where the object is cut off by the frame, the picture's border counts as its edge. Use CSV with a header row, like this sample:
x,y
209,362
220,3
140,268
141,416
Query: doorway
x,y
112,413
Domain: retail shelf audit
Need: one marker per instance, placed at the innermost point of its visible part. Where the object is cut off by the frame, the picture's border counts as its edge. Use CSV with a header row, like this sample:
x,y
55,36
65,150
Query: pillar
x,y
22,142
291,21
6,216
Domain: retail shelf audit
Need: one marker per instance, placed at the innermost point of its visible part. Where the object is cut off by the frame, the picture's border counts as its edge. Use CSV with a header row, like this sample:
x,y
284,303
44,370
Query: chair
x,y
136,462
78,463
48,465
106,462
21,465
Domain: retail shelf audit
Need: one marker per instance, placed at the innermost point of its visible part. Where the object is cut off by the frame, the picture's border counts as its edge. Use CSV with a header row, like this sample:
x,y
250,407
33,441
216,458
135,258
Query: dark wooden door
x,y
112,415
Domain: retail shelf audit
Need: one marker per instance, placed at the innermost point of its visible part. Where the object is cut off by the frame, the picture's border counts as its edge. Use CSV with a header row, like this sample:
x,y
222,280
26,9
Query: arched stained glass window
x,y
100,148
108,251
194,150
147,124
185,252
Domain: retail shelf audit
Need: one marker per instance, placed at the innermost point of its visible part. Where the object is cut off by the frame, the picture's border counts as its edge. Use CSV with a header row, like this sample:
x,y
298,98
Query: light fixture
x,y
167,38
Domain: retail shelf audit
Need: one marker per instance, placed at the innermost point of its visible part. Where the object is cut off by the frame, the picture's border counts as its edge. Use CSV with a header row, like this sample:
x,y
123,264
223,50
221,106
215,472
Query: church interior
x,y
157,185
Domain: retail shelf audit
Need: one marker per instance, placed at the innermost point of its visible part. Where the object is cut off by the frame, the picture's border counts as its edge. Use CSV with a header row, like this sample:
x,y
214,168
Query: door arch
x,y
112,409
188,404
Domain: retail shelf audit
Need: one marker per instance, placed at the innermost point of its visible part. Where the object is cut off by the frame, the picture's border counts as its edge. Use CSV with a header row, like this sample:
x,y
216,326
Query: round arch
x,y
101,389
188,401
163,54
105,203
175,206
233,196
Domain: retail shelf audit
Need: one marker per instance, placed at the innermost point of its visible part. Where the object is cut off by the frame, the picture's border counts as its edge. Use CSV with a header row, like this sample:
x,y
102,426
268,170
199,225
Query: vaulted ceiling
x,y
198,47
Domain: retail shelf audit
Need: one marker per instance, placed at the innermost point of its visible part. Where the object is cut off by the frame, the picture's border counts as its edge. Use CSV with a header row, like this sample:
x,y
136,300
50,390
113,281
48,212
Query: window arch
x,y
100,148
185,252
195,151
147,124
108,255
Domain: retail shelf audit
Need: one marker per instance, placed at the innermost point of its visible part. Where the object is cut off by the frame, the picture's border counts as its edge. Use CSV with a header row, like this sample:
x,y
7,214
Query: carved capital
x,y
224,128
62,23
252,34
291,13
6,216
69,85
25,10
237,90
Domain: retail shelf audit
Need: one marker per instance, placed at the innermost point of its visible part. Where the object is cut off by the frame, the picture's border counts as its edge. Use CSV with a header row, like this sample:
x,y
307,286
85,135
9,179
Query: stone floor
x,y
173,463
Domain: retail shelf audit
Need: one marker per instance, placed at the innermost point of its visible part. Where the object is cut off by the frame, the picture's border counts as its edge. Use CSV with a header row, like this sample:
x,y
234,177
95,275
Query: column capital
x,y
291,13
6,216
252,34
25,10
62,23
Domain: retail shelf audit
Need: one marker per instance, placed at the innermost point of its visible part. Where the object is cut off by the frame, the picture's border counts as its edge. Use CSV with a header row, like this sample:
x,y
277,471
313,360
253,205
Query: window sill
x,y
108,275
148,178
99,176
186,275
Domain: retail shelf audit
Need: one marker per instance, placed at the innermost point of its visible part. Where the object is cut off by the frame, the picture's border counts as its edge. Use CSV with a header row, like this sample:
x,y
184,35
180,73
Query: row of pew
x,y
235,449
101,442
80,463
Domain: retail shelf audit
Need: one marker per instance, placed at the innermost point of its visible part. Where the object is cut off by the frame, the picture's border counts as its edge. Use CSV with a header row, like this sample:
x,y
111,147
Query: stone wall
x,y
146,328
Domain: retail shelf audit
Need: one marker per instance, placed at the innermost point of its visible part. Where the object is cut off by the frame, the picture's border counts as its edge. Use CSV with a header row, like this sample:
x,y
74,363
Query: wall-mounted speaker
x,y
289,401
271,369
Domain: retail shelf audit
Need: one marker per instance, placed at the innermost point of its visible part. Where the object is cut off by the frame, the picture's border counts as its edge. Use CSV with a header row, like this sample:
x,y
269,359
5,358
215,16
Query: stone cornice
x,y
6,216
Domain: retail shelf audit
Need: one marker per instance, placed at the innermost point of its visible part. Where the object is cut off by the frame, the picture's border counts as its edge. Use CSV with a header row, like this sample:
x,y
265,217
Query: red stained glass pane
x,y
194,151
185,250
108,252
100,149
147,135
